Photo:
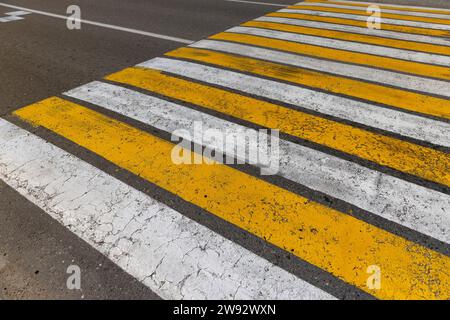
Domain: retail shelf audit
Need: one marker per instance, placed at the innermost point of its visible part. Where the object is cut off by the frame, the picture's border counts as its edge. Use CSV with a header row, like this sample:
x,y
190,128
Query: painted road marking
x,y
382,9
397,22
405,124
410,67
273,89
423,162
370,92
400,155
389,6
102,25
14,16
382,35
239,34
351,42
402,16
362,24
313,232
176,257
373,191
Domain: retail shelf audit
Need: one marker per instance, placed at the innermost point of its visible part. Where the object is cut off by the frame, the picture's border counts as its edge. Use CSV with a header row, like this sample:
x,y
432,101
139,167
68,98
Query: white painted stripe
x,y
18,13
342,69
14,16
364,18
348,45
405,13
359,30
102,25
10,18
259,3
173,255
405,124
391,5
402,202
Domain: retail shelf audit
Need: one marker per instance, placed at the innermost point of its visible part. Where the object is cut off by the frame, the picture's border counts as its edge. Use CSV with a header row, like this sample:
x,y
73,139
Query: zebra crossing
x,y
363,117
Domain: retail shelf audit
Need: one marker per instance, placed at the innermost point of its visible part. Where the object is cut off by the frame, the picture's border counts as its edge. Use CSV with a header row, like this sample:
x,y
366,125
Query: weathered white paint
x,y
404,13
173,255
364,18
359,30
348,45
404,81
14,16
413,206
405,124
391,5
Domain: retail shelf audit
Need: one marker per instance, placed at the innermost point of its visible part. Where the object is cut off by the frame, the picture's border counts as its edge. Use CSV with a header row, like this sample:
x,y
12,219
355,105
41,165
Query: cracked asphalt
x,y
41,58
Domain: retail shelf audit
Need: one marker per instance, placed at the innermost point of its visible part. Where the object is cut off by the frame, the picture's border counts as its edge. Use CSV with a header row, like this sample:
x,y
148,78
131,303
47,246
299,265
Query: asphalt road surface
x,y
363,183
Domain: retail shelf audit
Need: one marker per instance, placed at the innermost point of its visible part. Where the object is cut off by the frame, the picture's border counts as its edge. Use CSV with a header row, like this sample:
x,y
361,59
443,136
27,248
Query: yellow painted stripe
x,y
364,13
384,6
407,157
353,88
411,67
340,35
363,24
333,241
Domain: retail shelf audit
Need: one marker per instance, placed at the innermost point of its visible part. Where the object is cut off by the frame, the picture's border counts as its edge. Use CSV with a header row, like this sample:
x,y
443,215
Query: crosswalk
x,y
363,117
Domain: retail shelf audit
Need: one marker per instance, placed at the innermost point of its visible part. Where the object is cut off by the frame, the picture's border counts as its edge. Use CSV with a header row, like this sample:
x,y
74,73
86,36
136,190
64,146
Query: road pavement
x,y
87,180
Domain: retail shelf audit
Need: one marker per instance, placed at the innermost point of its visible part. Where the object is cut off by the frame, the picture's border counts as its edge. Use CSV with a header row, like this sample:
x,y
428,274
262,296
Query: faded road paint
x,y
173,255
383,34
335,203
410,67
409,23
361,43
371,92
414,13
388,6
428,19
400,155
405,124
336,242
362,24
405,203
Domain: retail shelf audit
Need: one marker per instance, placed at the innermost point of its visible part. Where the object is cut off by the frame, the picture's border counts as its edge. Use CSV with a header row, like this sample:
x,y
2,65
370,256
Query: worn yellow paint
x,y
385,6
331,240
363,24
385,15
353,88
400,155
347,36
370,60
